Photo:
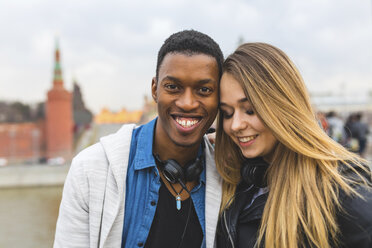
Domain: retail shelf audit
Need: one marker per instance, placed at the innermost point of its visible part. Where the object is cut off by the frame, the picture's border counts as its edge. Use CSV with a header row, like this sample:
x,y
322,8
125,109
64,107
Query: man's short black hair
x,y
190,42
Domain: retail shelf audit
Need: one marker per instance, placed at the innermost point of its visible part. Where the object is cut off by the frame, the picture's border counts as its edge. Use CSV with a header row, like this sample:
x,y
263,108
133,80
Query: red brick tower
x,y
59,122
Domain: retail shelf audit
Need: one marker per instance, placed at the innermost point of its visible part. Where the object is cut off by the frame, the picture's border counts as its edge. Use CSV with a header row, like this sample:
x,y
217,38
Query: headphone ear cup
x,y
259,176
244,172
173,172
193,170
254,175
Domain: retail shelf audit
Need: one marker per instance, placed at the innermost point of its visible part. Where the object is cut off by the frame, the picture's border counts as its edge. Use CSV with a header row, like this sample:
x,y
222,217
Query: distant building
x,y
342,103
22,141
47,129
57,127
82,116
123,116
59,119
148,112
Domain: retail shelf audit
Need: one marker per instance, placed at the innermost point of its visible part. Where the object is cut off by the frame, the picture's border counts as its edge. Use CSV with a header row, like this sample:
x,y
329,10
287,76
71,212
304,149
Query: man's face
x,y
187,97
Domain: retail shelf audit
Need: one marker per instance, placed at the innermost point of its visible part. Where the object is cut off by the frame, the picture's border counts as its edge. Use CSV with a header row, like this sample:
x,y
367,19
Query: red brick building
x,y
59,118
48,138
22,141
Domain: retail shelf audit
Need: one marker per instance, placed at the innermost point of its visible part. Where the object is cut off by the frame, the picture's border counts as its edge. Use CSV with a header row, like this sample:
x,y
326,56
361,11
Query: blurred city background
x,y
74,71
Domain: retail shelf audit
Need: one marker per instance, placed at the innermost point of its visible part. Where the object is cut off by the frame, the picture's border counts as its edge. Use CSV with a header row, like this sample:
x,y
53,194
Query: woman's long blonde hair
x,y
304,177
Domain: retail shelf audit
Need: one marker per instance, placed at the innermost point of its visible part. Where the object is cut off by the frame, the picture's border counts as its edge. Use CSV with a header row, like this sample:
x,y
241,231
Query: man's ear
x,y
154,89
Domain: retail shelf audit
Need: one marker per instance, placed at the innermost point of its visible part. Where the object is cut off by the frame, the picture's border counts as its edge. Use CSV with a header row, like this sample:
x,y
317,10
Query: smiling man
x,y
154,185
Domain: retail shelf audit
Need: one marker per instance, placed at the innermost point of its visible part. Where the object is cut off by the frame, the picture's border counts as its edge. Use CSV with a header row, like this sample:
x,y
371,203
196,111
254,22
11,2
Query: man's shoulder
x,y
90,159
92,152
99,150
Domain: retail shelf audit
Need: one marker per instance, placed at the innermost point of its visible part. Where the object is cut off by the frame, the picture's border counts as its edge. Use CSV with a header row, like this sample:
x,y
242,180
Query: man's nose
x,y
187,101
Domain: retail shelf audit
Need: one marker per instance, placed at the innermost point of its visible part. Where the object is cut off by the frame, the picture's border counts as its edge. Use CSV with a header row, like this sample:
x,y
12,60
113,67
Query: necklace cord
x,y
179,193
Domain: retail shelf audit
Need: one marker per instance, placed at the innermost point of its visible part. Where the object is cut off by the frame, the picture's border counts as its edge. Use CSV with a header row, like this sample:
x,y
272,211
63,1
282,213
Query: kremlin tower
x,y
59,118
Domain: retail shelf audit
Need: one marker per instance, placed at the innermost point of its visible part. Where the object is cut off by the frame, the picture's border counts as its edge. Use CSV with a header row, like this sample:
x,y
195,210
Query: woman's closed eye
x,y
250,112
226,115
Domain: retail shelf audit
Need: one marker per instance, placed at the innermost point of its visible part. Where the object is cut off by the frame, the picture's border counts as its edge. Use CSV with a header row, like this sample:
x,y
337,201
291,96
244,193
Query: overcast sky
x,y
110,46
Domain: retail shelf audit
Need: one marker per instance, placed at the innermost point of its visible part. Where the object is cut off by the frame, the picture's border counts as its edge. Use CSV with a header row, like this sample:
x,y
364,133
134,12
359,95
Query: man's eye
x,y
171,86
205,90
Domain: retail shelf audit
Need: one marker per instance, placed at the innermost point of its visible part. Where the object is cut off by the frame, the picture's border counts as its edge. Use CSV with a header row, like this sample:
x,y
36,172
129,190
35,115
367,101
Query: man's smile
x,y
187,123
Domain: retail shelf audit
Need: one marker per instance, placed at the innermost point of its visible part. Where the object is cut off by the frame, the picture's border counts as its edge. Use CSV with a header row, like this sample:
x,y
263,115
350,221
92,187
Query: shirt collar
x,y
144,158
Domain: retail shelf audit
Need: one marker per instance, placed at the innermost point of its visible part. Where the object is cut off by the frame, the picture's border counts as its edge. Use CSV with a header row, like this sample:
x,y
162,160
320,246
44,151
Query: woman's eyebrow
x,y
243,100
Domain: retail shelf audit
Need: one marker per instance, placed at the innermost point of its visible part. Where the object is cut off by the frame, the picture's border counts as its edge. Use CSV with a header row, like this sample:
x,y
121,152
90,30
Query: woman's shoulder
x,y
355,217
356,172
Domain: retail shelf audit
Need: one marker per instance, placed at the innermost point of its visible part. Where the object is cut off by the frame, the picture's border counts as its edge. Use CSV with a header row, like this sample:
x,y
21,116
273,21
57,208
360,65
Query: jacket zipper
x,y
227,230
224,217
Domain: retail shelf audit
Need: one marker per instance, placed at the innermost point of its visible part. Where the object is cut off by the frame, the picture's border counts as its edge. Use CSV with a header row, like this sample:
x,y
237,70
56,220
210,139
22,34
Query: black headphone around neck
x,y
175,173
253,172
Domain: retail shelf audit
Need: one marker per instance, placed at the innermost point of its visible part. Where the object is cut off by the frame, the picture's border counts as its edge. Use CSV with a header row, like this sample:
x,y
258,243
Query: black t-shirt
x,y
169,223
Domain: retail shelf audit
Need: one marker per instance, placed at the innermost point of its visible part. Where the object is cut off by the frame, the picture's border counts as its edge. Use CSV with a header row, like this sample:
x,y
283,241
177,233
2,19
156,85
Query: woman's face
x,y
241,123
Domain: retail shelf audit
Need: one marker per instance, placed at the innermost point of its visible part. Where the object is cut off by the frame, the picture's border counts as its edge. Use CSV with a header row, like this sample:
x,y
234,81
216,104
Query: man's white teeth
x,y
186,123
246,139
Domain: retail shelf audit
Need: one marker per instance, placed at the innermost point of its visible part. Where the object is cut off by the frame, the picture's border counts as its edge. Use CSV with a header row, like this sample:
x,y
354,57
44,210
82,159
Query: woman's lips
x,y
247,140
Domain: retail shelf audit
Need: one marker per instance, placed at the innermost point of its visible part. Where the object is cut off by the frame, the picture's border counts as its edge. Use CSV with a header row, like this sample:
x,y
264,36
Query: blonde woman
x,y
286,184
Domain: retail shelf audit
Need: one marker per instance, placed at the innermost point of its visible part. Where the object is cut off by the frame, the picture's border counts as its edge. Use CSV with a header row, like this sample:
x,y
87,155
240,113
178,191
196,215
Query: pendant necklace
x,y
178,197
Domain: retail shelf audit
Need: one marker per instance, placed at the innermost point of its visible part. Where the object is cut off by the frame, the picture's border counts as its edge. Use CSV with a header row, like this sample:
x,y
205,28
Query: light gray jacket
x,y
92,207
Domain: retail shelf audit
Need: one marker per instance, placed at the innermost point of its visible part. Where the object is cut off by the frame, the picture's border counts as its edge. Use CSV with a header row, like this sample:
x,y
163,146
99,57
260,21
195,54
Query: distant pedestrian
x,y
361,130
336,127
352,142
322,121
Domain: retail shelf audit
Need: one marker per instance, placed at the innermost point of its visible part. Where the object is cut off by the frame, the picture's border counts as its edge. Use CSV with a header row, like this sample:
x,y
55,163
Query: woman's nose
x,y
238,123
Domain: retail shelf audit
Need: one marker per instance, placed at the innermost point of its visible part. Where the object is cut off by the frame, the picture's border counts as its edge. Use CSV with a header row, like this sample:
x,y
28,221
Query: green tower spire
x,y
57,79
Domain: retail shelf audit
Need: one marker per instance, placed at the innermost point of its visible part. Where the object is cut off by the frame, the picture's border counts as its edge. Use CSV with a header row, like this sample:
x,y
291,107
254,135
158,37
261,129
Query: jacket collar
x,y
143,158
117,148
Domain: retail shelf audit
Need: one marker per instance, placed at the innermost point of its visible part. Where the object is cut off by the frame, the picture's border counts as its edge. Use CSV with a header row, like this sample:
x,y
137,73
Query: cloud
x,y
111,47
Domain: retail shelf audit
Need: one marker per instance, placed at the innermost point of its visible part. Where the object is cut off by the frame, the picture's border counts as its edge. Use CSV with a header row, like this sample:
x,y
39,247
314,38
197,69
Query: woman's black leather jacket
x,y
355,222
